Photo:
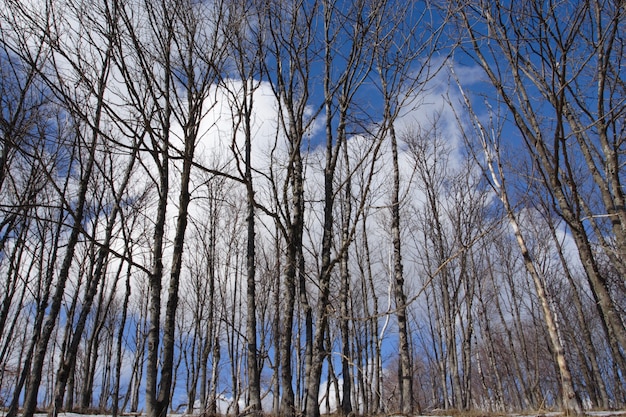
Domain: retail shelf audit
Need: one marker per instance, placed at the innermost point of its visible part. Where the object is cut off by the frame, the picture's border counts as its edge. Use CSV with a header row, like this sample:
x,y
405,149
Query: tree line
x,y
296,208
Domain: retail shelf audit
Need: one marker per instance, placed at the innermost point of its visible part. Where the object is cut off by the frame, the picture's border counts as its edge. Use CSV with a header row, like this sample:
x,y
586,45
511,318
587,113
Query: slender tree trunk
x,y
120,339
276,329
167,369
69,360
251,331
405,372
596,385
570,400
139,361
294,243
210,335
346,357
153,409
466,344
374,381
489,346
345,293
30,399
314,371
213,398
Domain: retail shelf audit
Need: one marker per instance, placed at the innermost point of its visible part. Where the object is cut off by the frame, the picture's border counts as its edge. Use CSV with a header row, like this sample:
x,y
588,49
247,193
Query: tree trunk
x,y
405,372
251,332
345,293
69,359
596,384
120,338
30,399
294,247
570,400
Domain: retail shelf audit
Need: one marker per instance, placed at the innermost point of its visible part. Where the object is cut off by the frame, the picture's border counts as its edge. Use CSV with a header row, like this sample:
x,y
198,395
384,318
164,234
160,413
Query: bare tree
x,y
571,296
168,61
86,132
356,24
95,277
494,170
237,277
24,112
245,42
402,42
290,34
567,54
345,297
451,220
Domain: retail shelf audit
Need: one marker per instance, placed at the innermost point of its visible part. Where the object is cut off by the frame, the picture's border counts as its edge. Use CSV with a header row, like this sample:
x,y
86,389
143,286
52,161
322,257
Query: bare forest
x,y
296,208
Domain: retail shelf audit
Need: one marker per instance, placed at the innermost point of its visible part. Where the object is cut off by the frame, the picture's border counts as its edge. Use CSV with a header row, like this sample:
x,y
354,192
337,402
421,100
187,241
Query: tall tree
x,y
347,32
402,42
494,170
169,56
245,43
86,126
290,34
569,54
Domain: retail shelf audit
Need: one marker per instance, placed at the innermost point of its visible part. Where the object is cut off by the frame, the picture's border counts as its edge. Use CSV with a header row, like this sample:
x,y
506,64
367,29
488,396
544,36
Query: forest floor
x,y
595,413
608,413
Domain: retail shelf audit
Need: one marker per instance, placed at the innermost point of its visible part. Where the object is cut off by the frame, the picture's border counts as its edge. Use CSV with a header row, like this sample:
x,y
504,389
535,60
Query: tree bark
x,y
405,373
